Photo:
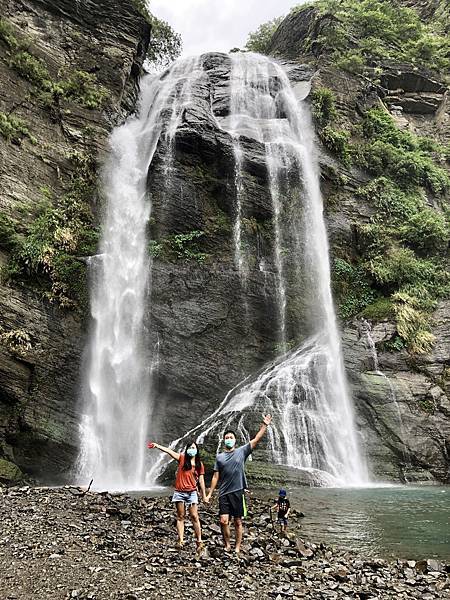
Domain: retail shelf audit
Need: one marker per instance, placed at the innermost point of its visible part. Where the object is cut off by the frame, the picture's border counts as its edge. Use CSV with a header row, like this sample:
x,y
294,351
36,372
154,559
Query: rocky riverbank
x,y
62,543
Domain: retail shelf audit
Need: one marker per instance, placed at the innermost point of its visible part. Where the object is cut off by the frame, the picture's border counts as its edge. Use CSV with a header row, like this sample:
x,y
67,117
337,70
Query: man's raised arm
x,y
267,419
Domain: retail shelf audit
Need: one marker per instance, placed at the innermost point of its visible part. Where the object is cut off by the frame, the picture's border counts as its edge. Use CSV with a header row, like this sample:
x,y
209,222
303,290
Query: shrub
x,y
406,167
14,129
395,344
427,231
8,235
165,46
337,141
7,34
260,40
413,325
180,246
31,68
380,30
389,200
45,256
323,106
379,310
83,88
351,287
18,341
352,62
400,266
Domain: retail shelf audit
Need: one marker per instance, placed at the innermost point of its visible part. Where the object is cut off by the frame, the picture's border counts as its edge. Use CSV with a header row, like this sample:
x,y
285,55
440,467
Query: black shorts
x,y
233,504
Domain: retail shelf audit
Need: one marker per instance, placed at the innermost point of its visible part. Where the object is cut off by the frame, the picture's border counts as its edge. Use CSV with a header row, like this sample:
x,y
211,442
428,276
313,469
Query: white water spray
x,y
117,403
306,390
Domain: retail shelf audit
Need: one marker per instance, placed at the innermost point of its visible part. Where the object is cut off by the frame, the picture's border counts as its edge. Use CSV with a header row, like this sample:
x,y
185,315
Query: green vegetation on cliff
x,y
14,129
47,253
259,41
401,269
361,33
78,86
166,44
180,246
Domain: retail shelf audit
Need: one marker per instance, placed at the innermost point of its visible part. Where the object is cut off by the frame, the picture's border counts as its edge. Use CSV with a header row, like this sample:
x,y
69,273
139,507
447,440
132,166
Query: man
x,y
229,470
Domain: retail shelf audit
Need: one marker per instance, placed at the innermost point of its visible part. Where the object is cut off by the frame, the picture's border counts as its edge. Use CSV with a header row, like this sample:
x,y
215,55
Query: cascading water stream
x,y
306,389
117,403
367,329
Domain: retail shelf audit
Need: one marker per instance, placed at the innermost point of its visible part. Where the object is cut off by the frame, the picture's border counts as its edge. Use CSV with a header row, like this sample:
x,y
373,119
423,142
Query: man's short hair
x,y
229,431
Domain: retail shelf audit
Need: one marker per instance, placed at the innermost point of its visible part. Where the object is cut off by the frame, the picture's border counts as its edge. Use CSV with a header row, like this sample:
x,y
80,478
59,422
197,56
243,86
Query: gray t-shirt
x,y
231,469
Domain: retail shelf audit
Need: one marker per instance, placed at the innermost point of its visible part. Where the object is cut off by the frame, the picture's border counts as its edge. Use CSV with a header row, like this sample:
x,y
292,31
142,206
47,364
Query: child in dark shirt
x,y
283,507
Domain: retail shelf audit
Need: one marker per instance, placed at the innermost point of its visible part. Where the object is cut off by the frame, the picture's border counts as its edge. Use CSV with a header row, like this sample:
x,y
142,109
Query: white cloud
x,y
217,25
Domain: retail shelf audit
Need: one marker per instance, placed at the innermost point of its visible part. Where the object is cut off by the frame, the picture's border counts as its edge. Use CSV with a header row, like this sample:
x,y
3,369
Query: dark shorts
x,y
233,504
282,520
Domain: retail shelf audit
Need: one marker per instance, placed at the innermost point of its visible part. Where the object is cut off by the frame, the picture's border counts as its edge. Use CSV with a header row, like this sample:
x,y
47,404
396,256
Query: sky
x,y
217,25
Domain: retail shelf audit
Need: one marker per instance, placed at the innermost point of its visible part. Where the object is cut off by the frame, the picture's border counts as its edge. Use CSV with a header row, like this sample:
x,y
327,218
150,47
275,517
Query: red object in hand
x,y
150,445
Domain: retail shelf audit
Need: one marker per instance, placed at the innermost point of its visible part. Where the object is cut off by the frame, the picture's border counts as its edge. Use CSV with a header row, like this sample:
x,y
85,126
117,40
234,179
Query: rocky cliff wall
x,y
69,72
402,403
210,331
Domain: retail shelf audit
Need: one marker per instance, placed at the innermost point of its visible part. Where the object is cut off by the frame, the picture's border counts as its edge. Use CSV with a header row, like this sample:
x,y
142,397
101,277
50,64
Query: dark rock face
x,y
402,408
212,333
208,331
39,383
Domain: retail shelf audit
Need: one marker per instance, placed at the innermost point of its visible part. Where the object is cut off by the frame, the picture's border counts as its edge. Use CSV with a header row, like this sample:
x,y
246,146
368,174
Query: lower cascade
x,y
305,386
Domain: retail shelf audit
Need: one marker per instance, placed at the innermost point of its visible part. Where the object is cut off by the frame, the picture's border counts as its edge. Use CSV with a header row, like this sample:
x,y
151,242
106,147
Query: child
x,y
190,472
284,508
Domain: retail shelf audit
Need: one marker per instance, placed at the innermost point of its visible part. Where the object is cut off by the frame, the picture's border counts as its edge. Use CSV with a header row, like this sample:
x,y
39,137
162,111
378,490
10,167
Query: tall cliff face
x,y
210,333
69,72
401,398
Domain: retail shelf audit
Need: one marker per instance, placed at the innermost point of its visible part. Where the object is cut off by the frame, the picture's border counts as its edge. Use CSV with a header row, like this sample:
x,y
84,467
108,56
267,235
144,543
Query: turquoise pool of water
x,y
402,522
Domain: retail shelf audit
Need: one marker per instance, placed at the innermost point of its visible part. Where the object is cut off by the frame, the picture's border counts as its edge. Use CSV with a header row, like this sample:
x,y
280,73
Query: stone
x,y
9,472
303,550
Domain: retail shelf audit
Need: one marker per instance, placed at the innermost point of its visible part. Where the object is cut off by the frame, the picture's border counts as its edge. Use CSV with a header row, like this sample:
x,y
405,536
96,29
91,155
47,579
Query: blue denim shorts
x,y
188,498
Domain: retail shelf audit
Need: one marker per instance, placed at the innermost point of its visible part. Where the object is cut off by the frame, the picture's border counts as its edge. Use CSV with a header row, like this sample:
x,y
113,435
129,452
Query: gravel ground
x,y
59,543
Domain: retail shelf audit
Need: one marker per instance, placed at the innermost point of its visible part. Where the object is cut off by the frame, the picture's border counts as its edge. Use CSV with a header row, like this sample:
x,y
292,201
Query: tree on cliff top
x,y
259,40
165,45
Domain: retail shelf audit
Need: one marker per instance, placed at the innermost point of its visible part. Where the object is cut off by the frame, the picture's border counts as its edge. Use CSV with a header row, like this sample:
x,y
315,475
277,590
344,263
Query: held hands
x,y
267,420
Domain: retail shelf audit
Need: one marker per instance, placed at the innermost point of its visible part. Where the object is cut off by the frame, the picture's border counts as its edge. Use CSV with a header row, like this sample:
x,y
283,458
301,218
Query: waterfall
x,y
117,402
304,388
306,391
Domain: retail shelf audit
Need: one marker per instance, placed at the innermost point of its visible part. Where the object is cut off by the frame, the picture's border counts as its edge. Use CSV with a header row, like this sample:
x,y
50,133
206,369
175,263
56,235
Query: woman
x,y
190,472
